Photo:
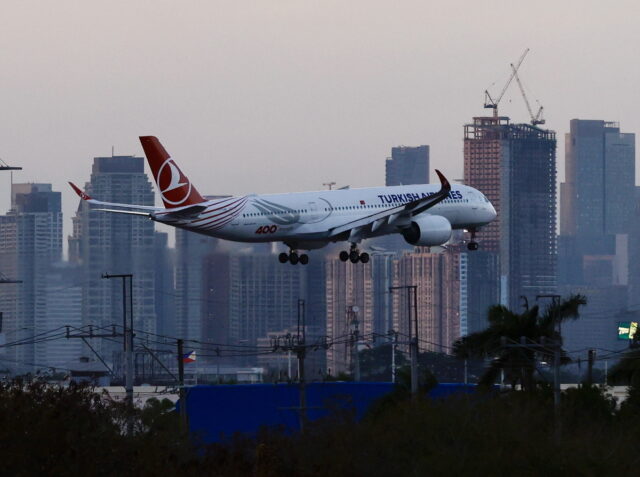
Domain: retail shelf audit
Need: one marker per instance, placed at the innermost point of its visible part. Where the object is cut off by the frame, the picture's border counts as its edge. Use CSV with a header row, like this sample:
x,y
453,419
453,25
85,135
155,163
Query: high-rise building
x,y
598,228
164,299
191,252
436,277
116,244
514,165
407,165
247,296
349,298
63,295
597,200
599,179
357,294
30,243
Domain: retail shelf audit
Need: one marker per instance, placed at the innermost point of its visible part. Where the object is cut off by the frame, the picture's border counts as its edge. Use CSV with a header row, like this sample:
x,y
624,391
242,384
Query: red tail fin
x,y
174,187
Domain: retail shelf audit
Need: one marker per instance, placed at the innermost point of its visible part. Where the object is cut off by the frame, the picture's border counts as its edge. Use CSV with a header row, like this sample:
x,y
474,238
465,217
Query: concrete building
x,y
30,243
514,165
597,201
407,165
349,298
115,244
437,278
248,295
164,275
598,230
63,297
599,179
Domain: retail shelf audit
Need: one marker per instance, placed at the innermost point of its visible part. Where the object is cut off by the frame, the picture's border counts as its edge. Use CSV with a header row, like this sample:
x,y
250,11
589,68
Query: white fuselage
x,y
306,218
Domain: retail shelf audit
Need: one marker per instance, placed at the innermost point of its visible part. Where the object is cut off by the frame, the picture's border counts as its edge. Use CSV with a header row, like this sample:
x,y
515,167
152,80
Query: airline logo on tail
x,y
175,188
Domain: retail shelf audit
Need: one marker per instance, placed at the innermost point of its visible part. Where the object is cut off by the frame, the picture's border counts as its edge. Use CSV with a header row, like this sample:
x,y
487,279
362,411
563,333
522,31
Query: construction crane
x,y
489,102
537,119
6,167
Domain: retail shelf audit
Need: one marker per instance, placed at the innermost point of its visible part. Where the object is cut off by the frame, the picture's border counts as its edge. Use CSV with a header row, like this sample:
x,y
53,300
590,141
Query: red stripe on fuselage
x,y
234,212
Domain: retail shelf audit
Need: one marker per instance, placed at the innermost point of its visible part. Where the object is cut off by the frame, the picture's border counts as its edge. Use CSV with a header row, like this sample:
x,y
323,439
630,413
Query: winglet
x,y
443,180
83,195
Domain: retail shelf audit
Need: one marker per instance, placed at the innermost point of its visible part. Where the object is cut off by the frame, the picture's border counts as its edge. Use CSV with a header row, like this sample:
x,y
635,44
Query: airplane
x,y
424,214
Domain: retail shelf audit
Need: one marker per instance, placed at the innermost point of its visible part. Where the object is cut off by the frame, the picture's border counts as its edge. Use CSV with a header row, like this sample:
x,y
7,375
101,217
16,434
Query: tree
x,y
518,363
375,363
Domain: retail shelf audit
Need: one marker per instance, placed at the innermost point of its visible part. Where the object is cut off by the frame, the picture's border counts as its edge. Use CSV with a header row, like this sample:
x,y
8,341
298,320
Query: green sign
x,y
627,329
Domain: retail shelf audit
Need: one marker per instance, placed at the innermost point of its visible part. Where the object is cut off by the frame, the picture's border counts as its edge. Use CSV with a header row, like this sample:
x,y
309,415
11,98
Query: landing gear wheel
x,y
354,256
304,259
293,258
283,257
364,257
344,256
472,246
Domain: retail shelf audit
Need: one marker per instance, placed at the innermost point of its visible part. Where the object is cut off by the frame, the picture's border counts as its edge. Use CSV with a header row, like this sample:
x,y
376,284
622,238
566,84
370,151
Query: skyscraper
x,y
115,244
247,296
437,278
514,165
191,253
597,195
30,243
598,229
407,165
597,198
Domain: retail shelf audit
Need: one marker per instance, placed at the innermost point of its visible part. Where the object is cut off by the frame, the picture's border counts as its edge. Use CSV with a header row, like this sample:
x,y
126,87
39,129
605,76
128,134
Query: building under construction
x,y
514,165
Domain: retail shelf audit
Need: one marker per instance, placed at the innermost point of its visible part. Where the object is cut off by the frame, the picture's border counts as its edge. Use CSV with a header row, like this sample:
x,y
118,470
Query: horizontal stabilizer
x,y
129,212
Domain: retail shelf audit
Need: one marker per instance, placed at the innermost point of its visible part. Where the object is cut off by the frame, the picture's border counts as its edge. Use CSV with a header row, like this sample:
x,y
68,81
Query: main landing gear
x,y
293,258
354,255
473,245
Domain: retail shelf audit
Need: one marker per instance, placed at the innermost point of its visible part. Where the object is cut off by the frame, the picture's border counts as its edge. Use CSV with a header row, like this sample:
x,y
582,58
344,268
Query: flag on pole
x,y
189,357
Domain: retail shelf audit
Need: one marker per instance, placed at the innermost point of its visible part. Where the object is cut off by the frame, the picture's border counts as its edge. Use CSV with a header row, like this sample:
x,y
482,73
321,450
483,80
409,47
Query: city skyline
x,y
338,84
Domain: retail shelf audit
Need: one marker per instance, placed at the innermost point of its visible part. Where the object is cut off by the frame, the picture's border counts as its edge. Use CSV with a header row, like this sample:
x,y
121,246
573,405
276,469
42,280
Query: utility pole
x,y
590,360
394,345
301,349
466,372
557,344
128,342
413,338
182,393
356,340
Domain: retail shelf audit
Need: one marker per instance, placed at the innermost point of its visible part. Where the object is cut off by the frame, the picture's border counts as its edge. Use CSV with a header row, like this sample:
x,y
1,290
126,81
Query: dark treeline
x,y
46,430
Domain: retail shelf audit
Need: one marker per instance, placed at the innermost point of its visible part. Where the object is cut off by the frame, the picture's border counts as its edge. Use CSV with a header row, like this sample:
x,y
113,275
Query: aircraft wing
x,y
388,216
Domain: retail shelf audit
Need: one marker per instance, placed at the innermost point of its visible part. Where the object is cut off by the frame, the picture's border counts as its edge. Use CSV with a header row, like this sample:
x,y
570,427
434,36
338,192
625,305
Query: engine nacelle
x,y
428,230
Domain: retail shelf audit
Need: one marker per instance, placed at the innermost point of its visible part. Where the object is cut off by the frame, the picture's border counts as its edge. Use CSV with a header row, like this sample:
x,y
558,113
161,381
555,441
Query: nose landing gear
x,y
473,245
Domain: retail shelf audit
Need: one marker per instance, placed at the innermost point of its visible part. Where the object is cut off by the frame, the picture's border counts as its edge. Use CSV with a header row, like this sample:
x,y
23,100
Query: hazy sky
x,y
284,95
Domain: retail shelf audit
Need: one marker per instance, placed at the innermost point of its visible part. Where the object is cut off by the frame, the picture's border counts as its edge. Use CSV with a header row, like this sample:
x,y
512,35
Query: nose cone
x,y
491,212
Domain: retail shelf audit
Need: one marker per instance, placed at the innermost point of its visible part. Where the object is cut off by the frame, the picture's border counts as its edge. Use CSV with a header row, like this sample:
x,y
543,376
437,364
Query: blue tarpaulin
x,y
218,411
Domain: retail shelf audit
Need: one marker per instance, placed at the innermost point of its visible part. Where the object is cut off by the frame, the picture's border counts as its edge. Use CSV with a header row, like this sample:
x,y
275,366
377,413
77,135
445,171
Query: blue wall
x,y
218,411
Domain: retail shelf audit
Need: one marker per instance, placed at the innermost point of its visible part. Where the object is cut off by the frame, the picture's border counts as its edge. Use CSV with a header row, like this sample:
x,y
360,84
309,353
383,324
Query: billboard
x,y
627,329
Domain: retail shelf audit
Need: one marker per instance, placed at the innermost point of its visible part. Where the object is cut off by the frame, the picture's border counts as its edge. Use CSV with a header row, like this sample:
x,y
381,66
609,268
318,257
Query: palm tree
x,y
507,327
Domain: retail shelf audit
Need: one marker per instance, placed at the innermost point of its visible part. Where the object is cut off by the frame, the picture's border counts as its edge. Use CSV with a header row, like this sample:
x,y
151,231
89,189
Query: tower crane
x,y
6,167
489,102
537,119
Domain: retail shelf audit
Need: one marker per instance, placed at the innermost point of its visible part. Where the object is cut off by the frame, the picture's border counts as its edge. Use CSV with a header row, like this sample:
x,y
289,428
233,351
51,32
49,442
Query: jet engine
x,y
428,230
